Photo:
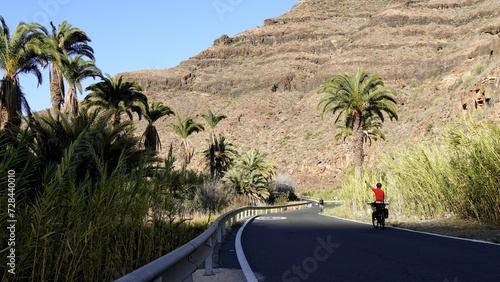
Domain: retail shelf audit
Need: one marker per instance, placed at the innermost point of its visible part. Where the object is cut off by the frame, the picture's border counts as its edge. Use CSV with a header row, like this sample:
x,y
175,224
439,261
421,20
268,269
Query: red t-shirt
x,y
379,194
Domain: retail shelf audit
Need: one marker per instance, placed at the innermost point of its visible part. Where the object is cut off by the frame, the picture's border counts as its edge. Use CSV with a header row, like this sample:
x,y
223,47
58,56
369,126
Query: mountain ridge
x,y
442,57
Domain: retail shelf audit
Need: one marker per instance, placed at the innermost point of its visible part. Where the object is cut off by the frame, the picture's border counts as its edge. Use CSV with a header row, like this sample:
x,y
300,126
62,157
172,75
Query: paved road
x,y
306,246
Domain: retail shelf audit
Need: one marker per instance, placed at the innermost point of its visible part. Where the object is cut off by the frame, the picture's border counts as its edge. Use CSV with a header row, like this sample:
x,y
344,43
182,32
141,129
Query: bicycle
x,y
379,214
321,204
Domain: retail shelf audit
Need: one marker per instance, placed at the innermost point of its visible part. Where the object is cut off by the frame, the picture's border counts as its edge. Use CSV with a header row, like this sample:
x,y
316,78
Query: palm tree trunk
x,y
218,167
4,116
186,156
71,102
117,118
212,134
56,90
10,103
359,153
212,160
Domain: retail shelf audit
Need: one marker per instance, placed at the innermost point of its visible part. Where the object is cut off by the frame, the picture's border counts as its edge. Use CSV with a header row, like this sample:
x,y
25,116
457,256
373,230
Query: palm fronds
x,y
156,110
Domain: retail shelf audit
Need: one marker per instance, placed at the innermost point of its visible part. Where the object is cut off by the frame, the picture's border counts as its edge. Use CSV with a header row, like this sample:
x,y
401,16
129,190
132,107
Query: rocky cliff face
x,y
442,56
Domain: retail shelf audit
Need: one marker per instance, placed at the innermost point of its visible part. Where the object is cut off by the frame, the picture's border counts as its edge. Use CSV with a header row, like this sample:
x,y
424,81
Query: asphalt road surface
x,y
305,246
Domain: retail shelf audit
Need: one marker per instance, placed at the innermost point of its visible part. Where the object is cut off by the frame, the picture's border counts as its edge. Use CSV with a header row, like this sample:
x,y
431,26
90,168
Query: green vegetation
x,y
456,176
70,48
220,157
75,71
94,205
155,111
118,94
20,52
212,120
84,205
361,100
251,175
92,200
184,128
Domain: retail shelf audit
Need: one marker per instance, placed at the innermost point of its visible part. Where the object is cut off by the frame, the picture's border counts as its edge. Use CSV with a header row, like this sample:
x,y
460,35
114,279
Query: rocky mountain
x,y
442,57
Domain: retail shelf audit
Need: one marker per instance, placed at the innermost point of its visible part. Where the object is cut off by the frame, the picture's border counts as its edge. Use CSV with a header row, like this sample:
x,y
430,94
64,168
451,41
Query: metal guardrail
x,y
181,263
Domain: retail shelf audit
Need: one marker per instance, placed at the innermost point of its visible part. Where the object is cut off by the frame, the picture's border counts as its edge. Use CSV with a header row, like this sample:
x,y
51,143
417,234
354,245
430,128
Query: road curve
x,y
305,246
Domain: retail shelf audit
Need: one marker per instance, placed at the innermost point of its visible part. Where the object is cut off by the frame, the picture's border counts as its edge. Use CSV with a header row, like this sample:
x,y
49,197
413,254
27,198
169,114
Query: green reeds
x,y
94,230
459,175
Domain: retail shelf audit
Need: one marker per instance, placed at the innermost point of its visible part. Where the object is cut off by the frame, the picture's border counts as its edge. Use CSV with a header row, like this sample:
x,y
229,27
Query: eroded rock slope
x,y
440,55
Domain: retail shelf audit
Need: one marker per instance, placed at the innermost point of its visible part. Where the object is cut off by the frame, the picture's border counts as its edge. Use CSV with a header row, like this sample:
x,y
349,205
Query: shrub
x,y
282,190
212,197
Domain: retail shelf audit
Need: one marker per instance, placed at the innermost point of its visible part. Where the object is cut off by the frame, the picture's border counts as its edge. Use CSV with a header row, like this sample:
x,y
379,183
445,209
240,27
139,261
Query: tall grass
x,y
93,206
94,230
459,175
476,164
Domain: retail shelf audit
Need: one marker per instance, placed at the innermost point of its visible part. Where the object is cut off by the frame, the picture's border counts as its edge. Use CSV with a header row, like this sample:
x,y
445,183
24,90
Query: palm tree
x,y
371,130
75,71
118,94
212,120
361,100
97,139
185,128
69,41
251,175
20,52
155,111
256,160
220,156
249,183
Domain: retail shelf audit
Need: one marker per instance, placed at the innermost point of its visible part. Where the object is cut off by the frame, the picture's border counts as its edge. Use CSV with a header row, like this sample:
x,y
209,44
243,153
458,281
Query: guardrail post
x,y
209,265
209,259
224,228
219,234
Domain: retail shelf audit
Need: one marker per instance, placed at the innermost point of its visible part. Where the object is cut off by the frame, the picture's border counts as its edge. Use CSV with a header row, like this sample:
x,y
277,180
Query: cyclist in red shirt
x,y
379,196
379,193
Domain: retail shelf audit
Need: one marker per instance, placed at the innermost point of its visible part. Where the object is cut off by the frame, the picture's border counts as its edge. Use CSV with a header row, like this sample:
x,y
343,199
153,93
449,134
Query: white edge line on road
x,y
245,267
421,232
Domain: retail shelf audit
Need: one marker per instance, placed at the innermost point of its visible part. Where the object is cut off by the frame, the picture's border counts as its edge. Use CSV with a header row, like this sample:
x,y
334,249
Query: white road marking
x,y
420,232
270,218
247,270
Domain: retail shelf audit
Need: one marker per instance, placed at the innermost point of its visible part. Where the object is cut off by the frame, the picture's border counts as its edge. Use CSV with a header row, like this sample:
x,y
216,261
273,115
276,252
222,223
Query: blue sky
x,y
132,35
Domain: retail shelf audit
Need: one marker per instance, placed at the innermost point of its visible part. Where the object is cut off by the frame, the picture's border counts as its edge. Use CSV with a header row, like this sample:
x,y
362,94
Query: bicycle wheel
x,y
382,220
374,220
